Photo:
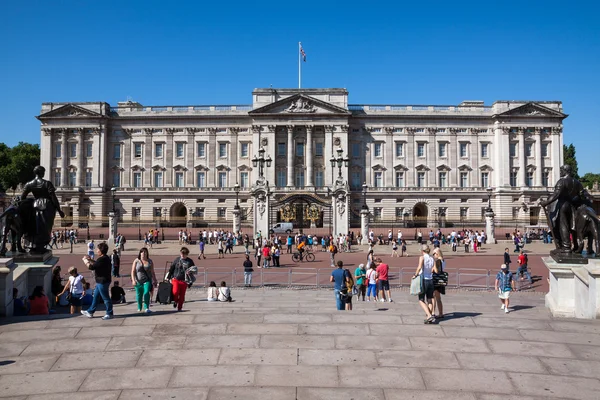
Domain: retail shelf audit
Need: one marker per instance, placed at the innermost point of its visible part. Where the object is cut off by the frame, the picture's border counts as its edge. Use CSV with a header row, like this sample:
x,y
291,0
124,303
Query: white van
x,y
283,227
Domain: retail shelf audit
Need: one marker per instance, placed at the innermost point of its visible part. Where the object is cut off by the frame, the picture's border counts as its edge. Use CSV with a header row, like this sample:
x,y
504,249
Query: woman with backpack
x,y
143,278
349,289
177,276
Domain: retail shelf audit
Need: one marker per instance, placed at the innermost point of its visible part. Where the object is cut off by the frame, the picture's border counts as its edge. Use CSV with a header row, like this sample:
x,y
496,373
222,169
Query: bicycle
x,y
297,256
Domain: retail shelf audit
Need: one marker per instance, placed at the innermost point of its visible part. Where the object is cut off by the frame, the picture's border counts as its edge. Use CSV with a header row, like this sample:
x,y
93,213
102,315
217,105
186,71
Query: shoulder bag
x,y
440,278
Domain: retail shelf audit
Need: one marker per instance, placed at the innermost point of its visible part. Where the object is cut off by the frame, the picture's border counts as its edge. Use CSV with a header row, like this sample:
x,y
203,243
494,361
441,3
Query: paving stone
x,y
367,319
570,367
449,344
101,395
584,352
337,357
146,342
172,318
220,375
41,382
259,356
500,362
107,359
252,393
66,345
14,324
561,337
127,378
530,348
511,323
333,329
23,365
427,395
189,330
297,342
556,386
297,375
38,334
482,333
222,341
161,394
485,396
380,377
449,320
108,331
576,326
262,329
308,393
12,349
83,322
416,359
238,318
376,343
297,318
406,330
178,357
467,381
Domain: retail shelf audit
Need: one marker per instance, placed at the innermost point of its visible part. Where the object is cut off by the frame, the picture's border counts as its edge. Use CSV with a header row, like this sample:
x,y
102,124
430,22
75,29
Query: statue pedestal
x,y
490,227
112,228
7,267
364,226
574,289
237,220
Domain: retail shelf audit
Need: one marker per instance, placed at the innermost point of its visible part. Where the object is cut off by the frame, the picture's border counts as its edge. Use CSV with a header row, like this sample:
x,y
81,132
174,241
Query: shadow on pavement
x,y
457,315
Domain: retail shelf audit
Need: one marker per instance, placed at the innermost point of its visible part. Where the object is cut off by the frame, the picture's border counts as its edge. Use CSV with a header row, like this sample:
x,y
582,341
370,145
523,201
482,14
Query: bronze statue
x,y
38,213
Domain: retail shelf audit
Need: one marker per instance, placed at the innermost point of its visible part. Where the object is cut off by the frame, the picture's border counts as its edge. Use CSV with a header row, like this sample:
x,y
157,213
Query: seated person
x,y
39,302
213,292
86,300
224,292
21,307
117,294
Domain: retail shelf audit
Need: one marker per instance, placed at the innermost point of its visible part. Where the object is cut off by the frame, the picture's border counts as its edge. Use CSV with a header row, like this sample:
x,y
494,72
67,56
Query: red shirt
x,y
382,272
266,252
39,306
522,259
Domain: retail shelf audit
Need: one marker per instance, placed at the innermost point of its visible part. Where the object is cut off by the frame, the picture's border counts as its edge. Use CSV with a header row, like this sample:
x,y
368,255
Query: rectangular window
x,y
420,179
244,150
136,212
377,149
72,178
463,150
399,213
57,178
528,149
484,150
464,212
378,179
513,179
377,211
512,149
355,180
299,149
222,150
281,149
88,149
485,179
88,179
281,177
464,179
222,179
179,179
157,212
545,149
117,151
116,181
200,179
158,179
530,178
399,179
319,179
158,150
300,178
137,179
221,212
244,181
200,150
355,149
420,149
179,149
73,150
137,150
199,212
442,178
545,178
442,149
399,149
58,150
319,149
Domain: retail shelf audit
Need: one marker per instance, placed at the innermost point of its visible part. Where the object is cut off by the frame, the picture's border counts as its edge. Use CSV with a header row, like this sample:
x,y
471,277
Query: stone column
x,y
327,153
309,156
112,228
261,212
168,157
234,158
521,155
340,211
148,178
538,157
557,156
388,160
290,155
64,157
190,149
490,227
211,152
364,225
237,220
410,154
80,159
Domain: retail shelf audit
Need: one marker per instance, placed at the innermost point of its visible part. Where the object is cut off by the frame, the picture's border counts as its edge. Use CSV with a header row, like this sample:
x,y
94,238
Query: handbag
x,y
354,290
416,285
440,278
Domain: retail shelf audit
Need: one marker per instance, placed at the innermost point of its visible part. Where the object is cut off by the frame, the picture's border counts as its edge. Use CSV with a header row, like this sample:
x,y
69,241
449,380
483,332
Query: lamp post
x,y
139,228
260,161
489,191
339,161
364,193
329,193
236,188
114,198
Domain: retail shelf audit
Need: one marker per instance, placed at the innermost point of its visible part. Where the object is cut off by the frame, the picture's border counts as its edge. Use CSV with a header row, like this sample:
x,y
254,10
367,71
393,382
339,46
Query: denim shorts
x,y
76,300
384,285
427,290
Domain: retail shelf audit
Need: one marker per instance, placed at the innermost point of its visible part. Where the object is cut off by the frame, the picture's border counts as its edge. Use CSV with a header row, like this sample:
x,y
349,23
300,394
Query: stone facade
x,y
418,162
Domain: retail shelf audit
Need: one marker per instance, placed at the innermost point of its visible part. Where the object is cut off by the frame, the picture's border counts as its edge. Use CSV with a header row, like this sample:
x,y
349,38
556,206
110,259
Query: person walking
x,y
349,287
522,271
276,252
504,285
438,290
266,253
258,255
102,271
143,278
221,248
115,262
177,276
507,258
384,283
426,268
248,272
338,277
361,281
75,289
394,248
332,252
90,247
201,245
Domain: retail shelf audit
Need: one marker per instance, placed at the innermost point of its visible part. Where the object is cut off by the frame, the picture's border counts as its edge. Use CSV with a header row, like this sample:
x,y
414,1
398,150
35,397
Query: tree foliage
x,y
569,159
589,179
17,163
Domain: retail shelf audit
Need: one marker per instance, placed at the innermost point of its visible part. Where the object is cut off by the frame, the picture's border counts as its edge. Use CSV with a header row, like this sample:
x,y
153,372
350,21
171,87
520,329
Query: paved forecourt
x,y
289,344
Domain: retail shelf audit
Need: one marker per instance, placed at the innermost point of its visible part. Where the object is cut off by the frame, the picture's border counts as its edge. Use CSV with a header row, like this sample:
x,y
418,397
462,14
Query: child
x,y
504,285
395,248
404,252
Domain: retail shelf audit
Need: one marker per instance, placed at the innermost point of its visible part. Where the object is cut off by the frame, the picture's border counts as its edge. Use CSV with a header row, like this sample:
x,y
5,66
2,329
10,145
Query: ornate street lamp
x,y
260,161
339,161
236,188
364,193
114,198
489,191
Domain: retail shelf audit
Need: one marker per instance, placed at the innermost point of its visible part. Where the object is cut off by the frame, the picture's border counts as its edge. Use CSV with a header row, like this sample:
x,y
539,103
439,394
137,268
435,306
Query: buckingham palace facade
x,y
409,163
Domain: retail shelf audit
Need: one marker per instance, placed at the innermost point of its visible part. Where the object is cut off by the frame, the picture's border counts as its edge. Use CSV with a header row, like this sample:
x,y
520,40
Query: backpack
x,y
335,249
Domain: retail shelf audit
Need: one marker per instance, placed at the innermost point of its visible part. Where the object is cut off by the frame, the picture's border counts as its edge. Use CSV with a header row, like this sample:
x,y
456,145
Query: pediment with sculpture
x,y
532,110
300,104
70,111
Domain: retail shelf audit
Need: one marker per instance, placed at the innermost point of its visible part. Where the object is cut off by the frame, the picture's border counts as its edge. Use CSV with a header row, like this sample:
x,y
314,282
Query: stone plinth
x,y
7,267
237,220
490,226
574,289
364,225
112,228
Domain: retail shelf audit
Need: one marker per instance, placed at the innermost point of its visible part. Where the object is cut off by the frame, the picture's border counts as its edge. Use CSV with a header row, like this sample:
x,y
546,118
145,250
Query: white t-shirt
x,y
224,293
76,284
371,275
427,267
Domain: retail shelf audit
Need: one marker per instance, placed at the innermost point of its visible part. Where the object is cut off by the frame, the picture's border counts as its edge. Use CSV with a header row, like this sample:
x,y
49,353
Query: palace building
x,y
413,165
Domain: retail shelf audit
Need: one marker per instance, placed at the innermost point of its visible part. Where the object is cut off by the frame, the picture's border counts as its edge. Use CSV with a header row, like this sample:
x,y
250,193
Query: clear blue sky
x,y
196,52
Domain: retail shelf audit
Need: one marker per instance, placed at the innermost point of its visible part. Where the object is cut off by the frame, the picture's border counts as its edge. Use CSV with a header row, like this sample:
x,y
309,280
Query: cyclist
x,y
300,249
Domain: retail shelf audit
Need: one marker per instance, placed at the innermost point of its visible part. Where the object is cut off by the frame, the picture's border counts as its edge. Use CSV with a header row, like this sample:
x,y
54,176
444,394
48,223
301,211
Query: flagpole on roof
x,y
299,65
